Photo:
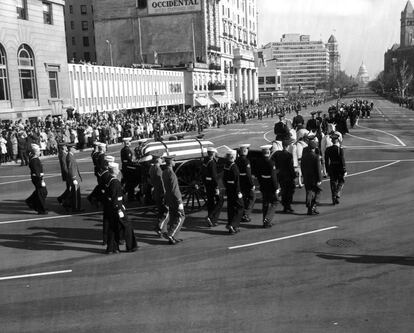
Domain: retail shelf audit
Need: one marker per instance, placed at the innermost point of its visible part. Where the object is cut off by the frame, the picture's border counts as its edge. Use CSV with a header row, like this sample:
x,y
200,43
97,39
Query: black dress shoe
x,y
43,212
134,249
209,222
171,240
231,230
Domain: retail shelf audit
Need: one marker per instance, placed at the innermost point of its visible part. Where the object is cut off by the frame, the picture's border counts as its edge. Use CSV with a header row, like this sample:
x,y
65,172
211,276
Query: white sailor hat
x,y
147,158
35,147
245,145
212,149
231,152
266,147
113,165
100,144
110,159
142,140
127,139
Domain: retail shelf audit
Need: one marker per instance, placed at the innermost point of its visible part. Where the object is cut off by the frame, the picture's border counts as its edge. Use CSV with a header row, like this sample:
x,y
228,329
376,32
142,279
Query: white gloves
x,y
75,182
121,214
253,188
240,195
278,191
181,206
43,184
217,191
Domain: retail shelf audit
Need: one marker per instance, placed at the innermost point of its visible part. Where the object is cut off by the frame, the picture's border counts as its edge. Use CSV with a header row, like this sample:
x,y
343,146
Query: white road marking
x,y
265,136
377,130
282,238
34,275
377,147
369,140
378,161
375,169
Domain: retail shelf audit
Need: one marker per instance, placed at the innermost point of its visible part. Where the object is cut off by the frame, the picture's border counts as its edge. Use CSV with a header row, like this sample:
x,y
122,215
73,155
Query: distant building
x,y
334,58
212,42
394,56
80,30
34,77
270,80
363,76
304,64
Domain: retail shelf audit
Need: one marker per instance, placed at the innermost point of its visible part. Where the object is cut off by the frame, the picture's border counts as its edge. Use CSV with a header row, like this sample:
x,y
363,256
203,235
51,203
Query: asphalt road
x,y
350,269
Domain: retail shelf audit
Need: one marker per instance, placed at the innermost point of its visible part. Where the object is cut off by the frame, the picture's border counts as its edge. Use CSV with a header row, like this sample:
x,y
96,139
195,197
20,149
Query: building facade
x,y
304,64
270,80
34,77
80,31
107,88
334,58
213,42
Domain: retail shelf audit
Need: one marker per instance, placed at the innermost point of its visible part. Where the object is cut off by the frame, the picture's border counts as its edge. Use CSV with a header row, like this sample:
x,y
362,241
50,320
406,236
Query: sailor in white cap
x,y
246,181
231,180
118,219
210,180
269,186
36,201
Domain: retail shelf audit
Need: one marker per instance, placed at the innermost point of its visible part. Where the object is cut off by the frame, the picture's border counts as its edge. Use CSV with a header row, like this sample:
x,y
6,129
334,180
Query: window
x,y
71,9
53,84
73,40
83,9
261,80
21,9
4,82
270,80
85,25
72,25
86,41
26,66
47,12
86,56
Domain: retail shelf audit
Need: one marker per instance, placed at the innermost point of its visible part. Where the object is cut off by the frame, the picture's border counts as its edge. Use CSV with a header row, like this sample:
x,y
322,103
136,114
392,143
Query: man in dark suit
x,y
62,154
73,180
282,128
312,176
298,121
335,167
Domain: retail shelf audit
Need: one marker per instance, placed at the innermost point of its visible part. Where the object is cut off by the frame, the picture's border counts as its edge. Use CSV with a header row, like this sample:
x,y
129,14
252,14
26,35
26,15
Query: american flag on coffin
x,y
183,150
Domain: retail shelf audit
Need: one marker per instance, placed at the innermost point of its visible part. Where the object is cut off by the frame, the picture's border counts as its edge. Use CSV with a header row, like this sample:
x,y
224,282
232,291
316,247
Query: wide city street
x,y
349,269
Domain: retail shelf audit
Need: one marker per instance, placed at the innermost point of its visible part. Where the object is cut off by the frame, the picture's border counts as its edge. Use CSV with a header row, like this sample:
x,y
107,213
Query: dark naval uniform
x,y
231,179
62,199
105,178
73,180
128,172
210,181
298,122
158,195
312,175
336,169
266,174
99,164
246,186
286,176
281,131
37,199
118,219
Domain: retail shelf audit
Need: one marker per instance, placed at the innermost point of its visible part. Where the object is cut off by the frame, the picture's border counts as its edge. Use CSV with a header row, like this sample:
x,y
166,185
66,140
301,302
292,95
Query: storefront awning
x,y
202,101
219,99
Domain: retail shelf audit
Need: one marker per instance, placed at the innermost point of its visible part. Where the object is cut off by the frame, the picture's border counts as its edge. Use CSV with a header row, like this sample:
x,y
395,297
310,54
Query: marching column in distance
x,y
73,180
37,199
158,195
335,166
246,182
174,201
312,176
210,180
286,175
266,174
118,219
62,154
231,180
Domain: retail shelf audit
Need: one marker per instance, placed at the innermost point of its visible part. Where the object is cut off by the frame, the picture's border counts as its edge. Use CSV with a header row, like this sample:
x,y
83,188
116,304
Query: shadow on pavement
x,y
369,259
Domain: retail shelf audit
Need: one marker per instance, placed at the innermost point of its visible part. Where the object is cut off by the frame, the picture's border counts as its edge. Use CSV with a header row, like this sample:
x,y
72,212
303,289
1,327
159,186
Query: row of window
x,y
84,25
27,75
85,41
22,11
269,79
83,9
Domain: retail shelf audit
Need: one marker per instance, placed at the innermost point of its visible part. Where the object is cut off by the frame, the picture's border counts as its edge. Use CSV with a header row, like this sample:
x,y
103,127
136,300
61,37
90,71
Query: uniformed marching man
x,y
246,182
282,128
210,180
104,177
174,201
286,175
37,199
312,176
63,152
335,167
99,163
118,219
158,195
269,187
298,122
128,169
312,125
231,180
73,180
126,157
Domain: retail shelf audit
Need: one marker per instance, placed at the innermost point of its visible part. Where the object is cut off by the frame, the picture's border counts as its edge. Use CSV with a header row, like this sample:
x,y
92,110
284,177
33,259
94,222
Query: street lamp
x,y
110,52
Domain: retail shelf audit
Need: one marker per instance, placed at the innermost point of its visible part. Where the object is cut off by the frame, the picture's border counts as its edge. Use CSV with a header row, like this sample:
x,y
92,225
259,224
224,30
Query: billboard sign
x,y
157,7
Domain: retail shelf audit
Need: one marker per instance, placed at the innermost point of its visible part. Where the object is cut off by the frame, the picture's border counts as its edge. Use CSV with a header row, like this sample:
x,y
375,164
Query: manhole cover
x,y
341,243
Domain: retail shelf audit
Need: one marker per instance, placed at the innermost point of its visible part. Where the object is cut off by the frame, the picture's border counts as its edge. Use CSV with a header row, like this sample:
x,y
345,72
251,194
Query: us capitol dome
x,y
363,76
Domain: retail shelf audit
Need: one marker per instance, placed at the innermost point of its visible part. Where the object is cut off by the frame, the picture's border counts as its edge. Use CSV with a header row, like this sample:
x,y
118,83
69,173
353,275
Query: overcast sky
x,y
365,29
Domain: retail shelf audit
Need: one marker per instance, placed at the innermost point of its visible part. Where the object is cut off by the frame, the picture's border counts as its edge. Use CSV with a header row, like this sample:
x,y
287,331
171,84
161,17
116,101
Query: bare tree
x,y
404,77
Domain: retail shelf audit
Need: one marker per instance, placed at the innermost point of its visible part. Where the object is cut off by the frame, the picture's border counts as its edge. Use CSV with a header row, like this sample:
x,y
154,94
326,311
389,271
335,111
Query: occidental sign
x,y
173,6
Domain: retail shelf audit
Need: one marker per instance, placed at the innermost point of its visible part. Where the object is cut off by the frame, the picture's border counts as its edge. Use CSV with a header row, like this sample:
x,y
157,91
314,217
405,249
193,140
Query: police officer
x,y
312,176
158,194
210,180
73,180
335,167
231,180
118,219
174,201
286,175
246,182
37,199
269,187
63,152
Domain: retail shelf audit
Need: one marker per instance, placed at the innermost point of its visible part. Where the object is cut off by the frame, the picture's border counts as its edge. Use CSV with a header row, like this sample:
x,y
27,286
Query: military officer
x,y
37,199
126,157
312,176
335,167
246,182
128,169
269,187
118,219
312,124
62,153
158,194
73,179
210,180
282,128
174,201
286,175
104,179
231,180
298,121
99,163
